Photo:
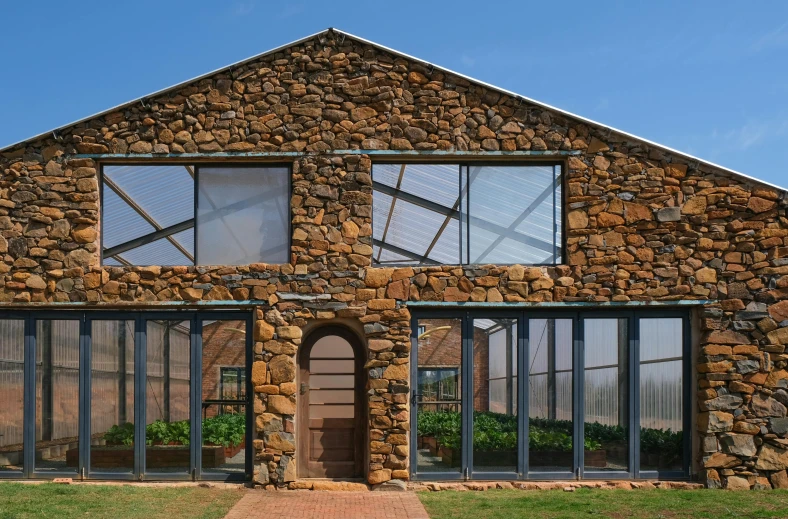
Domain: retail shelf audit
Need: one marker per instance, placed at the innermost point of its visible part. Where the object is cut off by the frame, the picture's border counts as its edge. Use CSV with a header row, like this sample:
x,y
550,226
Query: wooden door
x,y
331,418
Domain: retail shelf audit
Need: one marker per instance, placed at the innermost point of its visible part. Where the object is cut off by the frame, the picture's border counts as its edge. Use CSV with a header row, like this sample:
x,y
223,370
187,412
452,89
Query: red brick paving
x,y
307,504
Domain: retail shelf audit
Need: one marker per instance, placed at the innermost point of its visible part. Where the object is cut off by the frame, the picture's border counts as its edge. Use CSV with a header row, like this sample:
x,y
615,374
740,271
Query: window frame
x,y
140,318
462,165
523,316
196,165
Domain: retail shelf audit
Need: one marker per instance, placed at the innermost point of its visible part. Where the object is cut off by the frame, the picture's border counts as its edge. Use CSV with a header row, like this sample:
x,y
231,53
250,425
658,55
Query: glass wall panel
x,y
606,394
495,440
57,395
112,396
12,362
439,396
168,425
661,391
243,215
224,396
550,423
514,214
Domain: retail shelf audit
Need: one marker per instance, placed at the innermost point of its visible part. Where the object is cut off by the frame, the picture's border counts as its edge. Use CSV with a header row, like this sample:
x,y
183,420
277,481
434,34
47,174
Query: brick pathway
x,y
307,504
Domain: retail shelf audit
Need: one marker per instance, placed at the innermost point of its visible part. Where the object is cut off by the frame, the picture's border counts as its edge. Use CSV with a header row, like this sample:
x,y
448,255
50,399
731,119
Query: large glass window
x,y
606,391
596,386
438,396
148,215
57,395
661,394
495,427
12,362
469,214
112,396
550,412
168,384
224,396
243,215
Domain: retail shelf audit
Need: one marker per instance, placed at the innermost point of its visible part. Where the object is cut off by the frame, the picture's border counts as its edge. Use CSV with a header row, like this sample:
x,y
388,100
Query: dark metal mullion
x,y
404,252
149,238
467,396
29,400
195,397
634,395
140,394
687,394
249,450
578,390
83,423
523,412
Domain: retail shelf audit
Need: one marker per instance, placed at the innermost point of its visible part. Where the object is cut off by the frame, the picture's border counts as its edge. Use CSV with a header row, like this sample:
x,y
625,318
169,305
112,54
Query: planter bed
x,y
156,456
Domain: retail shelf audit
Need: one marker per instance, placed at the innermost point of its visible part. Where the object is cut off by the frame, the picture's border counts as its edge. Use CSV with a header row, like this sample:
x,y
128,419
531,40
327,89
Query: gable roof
x,y
394,52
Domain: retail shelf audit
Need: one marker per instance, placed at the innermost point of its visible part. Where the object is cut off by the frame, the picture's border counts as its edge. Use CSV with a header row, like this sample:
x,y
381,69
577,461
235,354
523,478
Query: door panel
x,y
331,427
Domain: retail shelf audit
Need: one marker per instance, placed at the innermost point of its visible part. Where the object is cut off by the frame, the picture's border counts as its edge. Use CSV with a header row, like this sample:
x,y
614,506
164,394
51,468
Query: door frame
x,y
302,420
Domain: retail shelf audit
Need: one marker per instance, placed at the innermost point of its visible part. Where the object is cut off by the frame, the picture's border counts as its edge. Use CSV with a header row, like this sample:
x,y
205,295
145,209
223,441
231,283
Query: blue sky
x,y
707,78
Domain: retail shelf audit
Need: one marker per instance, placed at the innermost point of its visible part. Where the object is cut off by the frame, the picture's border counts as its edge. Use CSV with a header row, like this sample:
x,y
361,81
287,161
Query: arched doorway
x,y
331,411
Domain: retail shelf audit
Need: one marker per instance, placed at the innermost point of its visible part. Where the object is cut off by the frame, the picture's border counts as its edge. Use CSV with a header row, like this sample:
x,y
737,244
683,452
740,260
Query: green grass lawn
x,y
23,501
618,504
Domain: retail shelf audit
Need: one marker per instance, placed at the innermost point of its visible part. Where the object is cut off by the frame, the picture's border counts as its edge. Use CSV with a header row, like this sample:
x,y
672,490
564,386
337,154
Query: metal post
x,y
195,396
140,395
167,372
47,404
29,417
509,368
551,378
578,389
122,412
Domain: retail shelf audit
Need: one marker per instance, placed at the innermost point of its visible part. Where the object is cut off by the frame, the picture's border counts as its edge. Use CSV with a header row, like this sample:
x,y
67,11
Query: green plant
x,y
225,430
120,434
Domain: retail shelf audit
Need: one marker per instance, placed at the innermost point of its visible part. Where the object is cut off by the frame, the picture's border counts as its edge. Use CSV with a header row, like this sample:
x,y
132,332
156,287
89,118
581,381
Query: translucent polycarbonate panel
x,y
660,338
331,347
439,395
415,220
224,401
160,252
140,199
243,215
57,395
661,394
168,386
550,423
112,396
606,407
12,363
514,214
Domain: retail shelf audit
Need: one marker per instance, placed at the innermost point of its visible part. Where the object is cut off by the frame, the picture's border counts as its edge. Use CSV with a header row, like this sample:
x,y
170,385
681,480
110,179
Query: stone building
x,y
343,209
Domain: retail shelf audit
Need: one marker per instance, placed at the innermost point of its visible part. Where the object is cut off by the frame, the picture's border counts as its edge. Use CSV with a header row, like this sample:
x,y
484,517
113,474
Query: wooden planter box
x,y
428,442
597,458
156,456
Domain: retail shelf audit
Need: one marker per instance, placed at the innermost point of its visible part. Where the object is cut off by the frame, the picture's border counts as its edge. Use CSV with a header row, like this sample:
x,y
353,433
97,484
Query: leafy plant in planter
x,y
120,434
225,430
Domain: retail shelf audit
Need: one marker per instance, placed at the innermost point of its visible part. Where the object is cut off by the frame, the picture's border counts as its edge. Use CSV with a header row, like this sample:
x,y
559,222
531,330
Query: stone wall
x,y
642,225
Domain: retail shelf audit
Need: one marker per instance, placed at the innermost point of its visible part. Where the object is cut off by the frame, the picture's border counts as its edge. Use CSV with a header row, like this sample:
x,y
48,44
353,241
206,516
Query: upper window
x,y
466,214
153,215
